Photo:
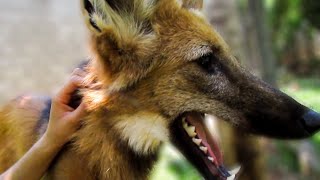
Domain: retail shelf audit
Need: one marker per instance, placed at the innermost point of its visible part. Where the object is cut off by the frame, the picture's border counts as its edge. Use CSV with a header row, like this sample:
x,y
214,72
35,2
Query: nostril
x,y
311,121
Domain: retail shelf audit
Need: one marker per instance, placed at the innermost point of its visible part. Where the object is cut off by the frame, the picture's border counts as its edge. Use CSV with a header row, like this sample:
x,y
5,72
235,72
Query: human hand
x,y
64,120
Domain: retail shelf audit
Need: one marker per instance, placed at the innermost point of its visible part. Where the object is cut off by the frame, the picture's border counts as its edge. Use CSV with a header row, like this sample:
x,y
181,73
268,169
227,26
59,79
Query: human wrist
x,y
51,143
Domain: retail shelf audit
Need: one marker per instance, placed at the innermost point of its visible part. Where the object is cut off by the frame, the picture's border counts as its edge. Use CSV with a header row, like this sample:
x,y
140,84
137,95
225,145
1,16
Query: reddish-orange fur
x,y
144,73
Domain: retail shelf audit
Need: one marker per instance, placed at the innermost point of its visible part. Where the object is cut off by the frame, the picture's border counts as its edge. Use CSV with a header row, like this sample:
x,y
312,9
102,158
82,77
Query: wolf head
x,y
170,68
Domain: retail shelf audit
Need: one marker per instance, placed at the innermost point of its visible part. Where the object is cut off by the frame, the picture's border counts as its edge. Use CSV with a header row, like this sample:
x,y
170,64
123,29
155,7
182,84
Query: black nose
x,y
311,120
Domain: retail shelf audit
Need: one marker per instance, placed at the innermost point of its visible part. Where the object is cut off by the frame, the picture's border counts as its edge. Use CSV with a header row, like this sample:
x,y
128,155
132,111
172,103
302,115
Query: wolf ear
x,y
123,38
88,11
192,4
103,14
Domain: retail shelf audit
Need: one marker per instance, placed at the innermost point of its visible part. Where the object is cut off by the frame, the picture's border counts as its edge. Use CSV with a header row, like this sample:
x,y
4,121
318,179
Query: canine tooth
x,y
235,170
232,177
210,159
192,134
197,141
184,120
190,130
204,149
184,124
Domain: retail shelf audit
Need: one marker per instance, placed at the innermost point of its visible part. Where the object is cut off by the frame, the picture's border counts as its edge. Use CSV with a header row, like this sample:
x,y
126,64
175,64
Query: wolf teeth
x,y
192,128
197,141
191,131
235,170
185,125
232,177
233,173
210,159
204,149
184,120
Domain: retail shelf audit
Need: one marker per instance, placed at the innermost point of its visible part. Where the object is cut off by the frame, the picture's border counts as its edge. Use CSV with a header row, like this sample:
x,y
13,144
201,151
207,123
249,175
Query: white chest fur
x,y
144,131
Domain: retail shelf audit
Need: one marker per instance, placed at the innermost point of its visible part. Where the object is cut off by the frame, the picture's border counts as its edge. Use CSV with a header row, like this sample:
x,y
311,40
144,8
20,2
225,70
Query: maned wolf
x,y
157,68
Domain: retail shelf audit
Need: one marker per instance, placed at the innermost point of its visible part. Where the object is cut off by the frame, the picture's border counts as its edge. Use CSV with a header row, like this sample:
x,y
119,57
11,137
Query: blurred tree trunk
x,y
257,54
300,54
258,14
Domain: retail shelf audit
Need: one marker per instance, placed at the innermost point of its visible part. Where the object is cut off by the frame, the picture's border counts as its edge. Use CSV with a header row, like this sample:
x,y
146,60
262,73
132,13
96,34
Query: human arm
x,y
64,121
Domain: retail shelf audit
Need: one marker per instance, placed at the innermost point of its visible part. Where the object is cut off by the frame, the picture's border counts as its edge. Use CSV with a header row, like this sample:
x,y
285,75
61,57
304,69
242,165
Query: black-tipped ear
x,y
125,16
121,5
89,11
88,6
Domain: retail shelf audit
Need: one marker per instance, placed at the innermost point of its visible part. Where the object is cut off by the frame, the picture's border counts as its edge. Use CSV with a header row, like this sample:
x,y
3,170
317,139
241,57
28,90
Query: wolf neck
x,y
121,137
123,145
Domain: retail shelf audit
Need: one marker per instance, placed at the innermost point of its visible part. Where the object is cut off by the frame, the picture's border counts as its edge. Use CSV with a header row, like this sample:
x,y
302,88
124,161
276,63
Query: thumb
x,y
78,113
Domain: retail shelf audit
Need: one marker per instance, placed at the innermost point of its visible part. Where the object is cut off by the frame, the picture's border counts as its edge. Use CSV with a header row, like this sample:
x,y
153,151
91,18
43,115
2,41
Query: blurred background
x,y
43,40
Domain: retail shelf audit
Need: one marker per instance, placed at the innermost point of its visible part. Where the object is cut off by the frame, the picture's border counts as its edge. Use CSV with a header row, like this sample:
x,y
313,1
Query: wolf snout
x,y
311,120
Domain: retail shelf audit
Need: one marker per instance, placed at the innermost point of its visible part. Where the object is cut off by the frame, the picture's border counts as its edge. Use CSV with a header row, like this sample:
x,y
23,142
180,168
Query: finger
x,y
78,114
79,72
72,85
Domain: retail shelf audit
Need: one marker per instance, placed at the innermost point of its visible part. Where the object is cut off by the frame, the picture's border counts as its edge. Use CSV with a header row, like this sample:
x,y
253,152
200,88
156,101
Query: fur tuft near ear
x,y
88,12
103,14
122,37
192,4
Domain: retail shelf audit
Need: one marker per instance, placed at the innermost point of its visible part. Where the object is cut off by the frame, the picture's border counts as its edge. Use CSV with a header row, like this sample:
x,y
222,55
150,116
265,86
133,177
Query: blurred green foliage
x,y
289,21
286,157
285,17
311,12
305,90
172,166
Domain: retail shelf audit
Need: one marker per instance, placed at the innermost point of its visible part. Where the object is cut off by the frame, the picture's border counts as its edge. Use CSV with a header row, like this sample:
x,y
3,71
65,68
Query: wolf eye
x,y
209,63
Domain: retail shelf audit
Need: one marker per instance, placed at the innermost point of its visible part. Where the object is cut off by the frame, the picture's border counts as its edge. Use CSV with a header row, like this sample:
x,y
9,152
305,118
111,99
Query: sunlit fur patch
x,y
197,52
144,131
198,13
179,2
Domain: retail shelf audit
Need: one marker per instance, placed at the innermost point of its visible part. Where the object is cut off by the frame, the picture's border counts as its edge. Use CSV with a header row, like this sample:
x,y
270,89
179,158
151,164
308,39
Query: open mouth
x,y
192,137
